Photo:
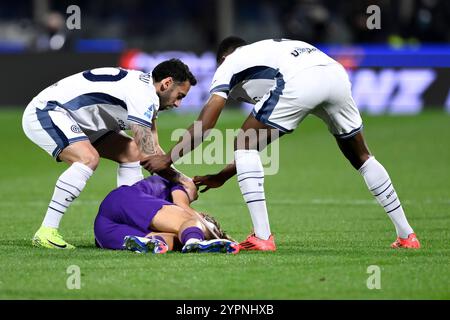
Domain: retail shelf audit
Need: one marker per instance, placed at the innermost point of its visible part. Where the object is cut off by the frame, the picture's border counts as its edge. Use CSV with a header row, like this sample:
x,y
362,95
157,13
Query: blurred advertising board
x,y
384,79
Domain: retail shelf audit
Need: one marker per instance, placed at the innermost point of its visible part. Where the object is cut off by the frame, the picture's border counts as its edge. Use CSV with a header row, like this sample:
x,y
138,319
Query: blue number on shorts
x,y
105,77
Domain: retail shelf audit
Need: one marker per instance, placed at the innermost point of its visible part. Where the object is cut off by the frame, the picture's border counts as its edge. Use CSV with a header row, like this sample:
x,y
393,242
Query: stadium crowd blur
x,y
40,25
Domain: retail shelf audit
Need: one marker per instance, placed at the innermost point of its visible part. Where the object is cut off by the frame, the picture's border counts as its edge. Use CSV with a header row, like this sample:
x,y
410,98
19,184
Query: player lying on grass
x,y
154,215
286,80
81,118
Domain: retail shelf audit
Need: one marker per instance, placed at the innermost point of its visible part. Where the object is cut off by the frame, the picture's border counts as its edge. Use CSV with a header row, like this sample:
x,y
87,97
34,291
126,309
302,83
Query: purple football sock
x,y
192,233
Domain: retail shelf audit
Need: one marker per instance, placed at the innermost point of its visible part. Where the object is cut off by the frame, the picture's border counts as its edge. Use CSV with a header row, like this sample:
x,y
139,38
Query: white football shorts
x,y
52,129
324,91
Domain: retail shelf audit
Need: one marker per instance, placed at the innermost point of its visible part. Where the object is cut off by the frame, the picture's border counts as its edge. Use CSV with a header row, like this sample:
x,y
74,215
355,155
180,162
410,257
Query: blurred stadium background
x,y
403,67
328,228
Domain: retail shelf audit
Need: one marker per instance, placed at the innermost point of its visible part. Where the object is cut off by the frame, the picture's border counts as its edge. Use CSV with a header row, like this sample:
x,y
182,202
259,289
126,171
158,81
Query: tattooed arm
x,y
147,142
143,136
158,149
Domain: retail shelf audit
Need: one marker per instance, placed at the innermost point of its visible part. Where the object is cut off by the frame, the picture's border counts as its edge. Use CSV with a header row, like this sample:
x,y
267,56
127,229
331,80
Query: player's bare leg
x,y
169,220
174,219
190,231
83,160
169,238
123,150
250,176
377,179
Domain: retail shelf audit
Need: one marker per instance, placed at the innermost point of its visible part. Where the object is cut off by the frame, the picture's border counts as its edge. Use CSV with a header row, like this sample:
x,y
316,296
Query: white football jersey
x,y
253,70
104,98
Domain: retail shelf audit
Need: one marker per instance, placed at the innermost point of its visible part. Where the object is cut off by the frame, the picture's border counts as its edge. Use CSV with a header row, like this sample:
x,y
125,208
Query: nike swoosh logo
x,y
58,245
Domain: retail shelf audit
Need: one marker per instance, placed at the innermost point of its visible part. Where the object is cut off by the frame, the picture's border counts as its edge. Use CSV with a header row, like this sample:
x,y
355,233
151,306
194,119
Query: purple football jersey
x,y
158,187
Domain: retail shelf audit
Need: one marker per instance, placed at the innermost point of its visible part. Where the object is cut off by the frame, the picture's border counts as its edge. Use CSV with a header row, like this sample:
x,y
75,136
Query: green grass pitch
x,y
327,226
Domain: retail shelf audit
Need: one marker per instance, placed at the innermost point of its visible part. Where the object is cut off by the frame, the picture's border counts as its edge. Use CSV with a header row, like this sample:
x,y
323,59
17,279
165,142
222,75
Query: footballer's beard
x,y
165,98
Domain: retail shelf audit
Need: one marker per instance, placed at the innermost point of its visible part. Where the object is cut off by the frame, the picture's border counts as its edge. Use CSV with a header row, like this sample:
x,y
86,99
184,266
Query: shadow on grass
x,y
86,245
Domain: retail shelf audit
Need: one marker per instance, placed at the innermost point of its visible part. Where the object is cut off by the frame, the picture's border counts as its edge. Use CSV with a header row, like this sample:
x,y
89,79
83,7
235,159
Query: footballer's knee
x,y
90,159
82,152
170,218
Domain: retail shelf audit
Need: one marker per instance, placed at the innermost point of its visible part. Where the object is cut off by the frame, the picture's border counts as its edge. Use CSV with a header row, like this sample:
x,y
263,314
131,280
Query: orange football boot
x,y
411,242
254,243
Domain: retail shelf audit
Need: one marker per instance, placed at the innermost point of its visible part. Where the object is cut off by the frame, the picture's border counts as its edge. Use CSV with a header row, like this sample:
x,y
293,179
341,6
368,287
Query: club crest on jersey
x,y
75,129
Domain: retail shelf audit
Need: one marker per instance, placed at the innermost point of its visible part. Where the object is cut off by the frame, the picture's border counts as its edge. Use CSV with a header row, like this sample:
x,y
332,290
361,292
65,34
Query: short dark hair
x,y
228,45
174,68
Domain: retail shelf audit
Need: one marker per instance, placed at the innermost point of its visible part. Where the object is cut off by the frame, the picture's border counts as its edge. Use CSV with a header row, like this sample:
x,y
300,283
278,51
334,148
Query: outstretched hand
x,y
156,163
209,181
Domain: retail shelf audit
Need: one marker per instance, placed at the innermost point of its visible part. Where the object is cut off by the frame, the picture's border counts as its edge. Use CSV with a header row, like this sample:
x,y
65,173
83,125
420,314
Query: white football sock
x,y
380,185
129,173
250,176
68,187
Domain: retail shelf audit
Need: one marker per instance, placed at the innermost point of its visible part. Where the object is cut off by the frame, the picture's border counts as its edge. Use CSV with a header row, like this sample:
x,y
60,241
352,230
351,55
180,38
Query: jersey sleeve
x,y
221,80
142,105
